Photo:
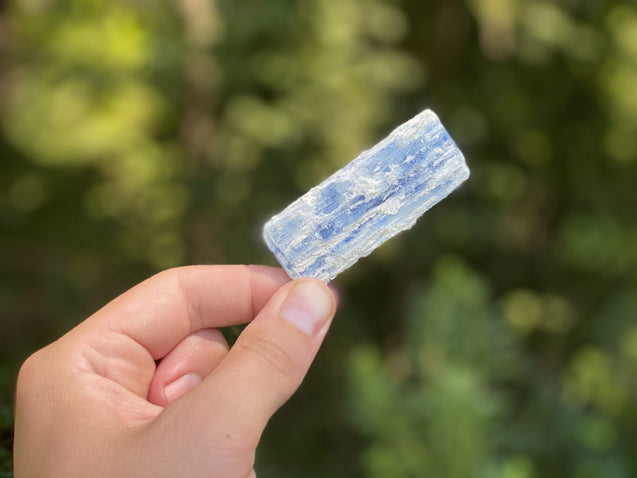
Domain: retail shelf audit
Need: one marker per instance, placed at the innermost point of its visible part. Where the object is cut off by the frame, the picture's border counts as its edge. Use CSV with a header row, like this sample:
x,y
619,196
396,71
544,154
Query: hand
x,y
147,386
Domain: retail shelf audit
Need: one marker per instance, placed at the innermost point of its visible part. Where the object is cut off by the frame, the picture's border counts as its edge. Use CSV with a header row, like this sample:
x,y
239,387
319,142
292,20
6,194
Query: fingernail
x,y
180,386
308,306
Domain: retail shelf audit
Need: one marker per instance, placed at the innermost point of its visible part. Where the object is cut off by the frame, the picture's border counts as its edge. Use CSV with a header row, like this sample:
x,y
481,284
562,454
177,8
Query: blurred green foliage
x,y
496,339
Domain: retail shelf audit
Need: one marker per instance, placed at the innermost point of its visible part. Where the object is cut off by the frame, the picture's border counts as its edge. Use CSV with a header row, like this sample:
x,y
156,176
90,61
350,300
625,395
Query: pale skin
x,y
148,387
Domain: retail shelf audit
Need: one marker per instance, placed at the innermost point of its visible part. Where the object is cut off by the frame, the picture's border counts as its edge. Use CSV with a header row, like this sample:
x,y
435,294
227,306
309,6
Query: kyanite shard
x,y
379,194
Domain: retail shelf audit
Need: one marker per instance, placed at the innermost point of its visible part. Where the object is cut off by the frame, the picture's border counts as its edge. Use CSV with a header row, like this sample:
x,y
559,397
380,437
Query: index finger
x,y
162,310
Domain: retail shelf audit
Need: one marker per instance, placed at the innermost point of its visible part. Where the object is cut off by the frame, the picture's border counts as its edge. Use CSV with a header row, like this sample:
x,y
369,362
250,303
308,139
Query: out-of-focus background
x,y
497,338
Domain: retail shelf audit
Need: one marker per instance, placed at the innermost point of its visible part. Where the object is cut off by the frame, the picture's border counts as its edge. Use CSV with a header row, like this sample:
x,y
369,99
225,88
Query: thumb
x,y
266,364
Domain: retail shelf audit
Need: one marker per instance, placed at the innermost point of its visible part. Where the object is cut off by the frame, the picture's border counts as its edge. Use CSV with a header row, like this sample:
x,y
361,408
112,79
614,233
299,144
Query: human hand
x,y
147,386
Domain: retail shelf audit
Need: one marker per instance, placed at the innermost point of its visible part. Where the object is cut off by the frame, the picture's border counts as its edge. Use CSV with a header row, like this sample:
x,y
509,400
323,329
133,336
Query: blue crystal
x,y
379,194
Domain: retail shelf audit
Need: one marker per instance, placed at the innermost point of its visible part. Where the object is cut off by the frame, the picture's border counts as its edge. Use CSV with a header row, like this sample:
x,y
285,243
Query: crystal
x,y
377,195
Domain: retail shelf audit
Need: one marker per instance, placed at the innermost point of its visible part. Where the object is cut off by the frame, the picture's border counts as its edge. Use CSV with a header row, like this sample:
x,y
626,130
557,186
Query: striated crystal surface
x,y
379,194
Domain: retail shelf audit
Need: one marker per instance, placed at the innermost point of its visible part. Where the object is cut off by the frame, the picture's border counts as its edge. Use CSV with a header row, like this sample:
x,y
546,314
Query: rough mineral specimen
x,y
379,194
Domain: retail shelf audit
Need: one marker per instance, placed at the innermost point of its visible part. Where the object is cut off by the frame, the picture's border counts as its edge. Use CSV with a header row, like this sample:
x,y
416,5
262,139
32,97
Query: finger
x,y
264,367
161,311
186,365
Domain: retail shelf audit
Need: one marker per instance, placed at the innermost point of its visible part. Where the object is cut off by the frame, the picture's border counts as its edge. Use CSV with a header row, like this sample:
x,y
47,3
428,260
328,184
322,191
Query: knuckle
x,y
167,279
28,374
270,352
168,274
170,280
